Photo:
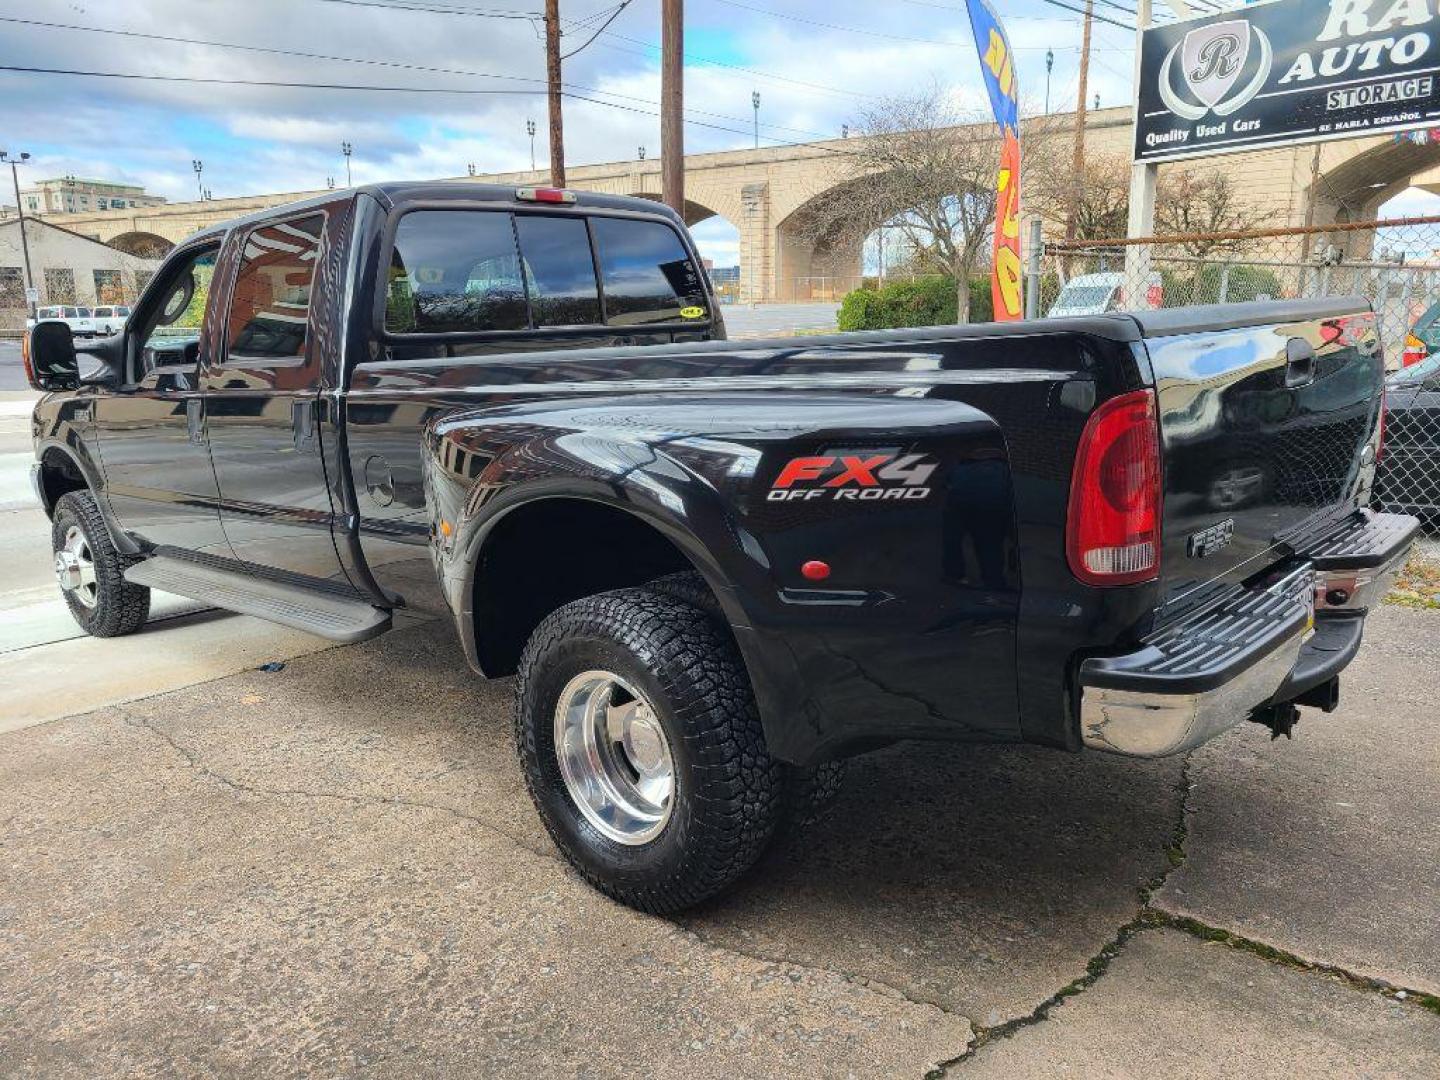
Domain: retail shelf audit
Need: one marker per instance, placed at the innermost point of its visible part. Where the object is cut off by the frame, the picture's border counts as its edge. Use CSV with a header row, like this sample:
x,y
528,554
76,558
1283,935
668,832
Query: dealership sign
x,y
1286,72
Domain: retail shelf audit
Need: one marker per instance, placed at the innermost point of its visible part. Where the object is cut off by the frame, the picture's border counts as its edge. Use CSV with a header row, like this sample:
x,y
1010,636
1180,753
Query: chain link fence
x,y
1393,264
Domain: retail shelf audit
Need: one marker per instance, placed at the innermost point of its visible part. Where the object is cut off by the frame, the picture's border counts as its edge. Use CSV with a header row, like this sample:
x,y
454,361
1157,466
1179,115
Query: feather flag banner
x,y
997,67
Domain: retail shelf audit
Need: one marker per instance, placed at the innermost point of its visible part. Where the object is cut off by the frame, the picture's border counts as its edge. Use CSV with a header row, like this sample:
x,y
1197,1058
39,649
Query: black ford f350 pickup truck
x,y
717,568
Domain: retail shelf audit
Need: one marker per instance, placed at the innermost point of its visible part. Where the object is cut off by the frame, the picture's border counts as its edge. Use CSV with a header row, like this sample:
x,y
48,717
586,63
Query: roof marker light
x,y
544,194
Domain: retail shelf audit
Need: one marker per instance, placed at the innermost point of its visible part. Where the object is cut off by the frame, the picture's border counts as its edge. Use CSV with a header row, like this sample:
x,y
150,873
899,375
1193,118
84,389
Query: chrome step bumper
x,y
1210,671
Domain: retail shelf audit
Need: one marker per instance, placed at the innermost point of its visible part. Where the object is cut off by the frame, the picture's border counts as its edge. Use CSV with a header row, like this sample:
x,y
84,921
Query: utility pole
x,y
1077,189
672,104
199,167
20,210
530,130
755,104
552,76
347,150
1049,64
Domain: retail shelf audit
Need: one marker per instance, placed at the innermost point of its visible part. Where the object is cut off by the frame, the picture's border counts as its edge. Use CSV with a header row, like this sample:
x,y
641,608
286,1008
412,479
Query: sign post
x,y
1141,220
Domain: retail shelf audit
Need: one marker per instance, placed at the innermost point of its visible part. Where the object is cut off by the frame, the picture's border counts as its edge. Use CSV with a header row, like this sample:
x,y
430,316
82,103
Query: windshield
x,y
1084,296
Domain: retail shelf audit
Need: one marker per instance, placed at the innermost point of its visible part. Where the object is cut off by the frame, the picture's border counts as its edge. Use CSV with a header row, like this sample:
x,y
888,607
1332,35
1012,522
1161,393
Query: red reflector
x,y
815,570
1113,528
545,194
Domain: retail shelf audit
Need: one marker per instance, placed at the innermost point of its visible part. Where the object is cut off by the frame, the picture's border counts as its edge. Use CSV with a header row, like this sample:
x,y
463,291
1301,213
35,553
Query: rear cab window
x,y
648,275
463,271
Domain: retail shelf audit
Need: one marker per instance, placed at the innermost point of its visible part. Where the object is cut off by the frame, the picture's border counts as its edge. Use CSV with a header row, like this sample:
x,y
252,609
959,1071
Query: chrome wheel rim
x,y
614,757
75,568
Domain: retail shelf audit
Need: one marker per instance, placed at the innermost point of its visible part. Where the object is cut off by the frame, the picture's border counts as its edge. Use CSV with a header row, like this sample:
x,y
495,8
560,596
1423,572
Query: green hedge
x,y
925,301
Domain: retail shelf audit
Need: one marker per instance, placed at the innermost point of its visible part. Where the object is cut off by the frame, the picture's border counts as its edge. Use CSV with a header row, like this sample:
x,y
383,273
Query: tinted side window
x,y
648,275
454,271
559,270
270,307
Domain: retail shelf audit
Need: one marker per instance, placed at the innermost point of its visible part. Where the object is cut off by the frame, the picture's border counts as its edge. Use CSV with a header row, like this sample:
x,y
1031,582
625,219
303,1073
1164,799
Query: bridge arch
x,y
144,245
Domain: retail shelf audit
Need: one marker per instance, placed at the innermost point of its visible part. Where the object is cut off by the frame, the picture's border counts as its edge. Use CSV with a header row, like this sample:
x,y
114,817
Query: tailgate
x,y
1266,414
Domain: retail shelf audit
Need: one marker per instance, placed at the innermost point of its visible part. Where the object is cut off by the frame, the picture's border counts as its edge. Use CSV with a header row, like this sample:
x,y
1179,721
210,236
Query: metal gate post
x,y
1032,272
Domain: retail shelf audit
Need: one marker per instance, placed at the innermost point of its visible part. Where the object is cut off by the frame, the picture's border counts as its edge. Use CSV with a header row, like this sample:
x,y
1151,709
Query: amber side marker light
x,y
26,362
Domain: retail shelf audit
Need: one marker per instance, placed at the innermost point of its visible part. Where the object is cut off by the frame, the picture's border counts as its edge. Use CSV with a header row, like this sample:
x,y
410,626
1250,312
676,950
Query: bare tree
x,y
925,170
1199,205
1049,185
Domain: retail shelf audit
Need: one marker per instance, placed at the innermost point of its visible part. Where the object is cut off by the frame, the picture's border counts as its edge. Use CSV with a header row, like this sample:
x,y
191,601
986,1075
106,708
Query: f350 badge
x,y
1208,541
860,475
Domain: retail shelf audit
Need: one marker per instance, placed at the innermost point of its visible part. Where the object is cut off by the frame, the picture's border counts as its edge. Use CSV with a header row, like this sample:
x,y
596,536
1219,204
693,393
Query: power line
x,y
700,59
524,16
370,88
826,25
613,16
401,65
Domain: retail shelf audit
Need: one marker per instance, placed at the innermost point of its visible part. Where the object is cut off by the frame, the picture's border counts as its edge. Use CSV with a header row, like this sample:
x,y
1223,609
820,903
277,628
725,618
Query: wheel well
x,y
58,474
541,556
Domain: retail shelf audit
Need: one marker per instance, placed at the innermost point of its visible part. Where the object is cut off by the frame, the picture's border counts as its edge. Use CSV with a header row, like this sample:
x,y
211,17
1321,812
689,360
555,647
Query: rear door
x,y
263,396
1265,416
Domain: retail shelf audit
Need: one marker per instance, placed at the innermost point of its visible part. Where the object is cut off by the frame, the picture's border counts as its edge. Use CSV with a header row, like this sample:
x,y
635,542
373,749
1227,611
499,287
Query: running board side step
x,y
338,618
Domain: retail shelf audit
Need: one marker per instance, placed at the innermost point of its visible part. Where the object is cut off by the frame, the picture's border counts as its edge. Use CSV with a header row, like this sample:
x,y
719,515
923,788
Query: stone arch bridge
x,y
768,195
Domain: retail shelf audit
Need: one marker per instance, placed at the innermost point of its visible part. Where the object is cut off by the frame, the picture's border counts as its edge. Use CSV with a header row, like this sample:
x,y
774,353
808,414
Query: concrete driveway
x,y
332,868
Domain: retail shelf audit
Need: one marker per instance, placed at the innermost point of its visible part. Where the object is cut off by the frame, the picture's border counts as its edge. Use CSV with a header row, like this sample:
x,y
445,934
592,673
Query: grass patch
x,y
1418,585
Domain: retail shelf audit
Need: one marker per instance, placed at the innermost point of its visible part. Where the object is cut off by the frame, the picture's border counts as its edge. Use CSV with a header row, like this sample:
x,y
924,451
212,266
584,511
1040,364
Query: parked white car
x,y
110,318
80,319
1095,294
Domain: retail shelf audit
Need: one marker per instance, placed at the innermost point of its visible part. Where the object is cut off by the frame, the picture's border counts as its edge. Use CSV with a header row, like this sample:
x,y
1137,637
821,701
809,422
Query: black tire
x,y
120,607
810,791
727,788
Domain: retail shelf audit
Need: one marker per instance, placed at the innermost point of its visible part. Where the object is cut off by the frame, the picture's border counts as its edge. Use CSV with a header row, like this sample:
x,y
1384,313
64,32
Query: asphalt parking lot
x,y
332,868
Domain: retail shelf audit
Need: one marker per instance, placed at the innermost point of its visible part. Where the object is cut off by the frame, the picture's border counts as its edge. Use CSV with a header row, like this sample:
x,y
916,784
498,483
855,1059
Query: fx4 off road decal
x,y
853,476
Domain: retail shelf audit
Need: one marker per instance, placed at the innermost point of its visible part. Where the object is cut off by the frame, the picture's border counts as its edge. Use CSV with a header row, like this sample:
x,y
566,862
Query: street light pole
x,y
20,211
199,167
347,149
755,104
1049,64
530,130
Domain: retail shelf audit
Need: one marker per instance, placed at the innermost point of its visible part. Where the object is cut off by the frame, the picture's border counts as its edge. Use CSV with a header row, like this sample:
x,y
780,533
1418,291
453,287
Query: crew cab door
x,y
151,430
263,388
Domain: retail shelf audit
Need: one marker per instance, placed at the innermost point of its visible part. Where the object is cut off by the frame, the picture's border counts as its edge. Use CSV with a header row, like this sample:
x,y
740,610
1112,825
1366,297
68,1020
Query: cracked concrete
x,y
334,868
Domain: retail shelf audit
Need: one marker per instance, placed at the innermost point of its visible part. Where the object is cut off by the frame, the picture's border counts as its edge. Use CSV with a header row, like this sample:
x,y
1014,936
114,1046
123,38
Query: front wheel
x,y
91,572
642,748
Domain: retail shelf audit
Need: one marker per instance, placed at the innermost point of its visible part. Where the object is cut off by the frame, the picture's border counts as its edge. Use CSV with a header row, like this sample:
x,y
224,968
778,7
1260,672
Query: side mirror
x,y
49,355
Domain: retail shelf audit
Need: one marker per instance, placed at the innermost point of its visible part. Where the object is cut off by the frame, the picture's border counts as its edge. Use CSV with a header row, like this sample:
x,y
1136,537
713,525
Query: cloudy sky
x,y
815,63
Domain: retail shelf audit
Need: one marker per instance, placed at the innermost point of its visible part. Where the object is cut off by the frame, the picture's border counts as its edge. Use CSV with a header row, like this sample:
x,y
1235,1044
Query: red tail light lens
x,y
1113,528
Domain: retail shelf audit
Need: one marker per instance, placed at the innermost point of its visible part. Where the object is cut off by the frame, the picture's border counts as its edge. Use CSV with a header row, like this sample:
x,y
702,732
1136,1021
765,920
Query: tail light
x,y
1415,351
1113,528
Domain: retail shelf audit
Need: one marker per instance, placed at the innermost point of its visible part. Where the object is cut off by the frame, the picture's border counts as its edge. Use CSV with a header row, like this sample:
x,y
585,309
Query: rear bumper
x,y
1264,646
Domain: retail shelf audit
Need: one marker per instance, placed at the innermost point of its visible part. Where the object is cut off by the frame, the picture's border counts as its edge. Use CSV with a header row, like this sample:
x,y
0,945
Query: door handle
x,y
1299,363
302,422
195,420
